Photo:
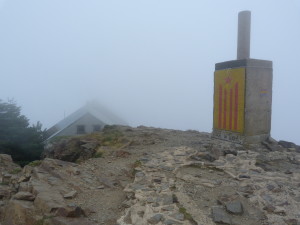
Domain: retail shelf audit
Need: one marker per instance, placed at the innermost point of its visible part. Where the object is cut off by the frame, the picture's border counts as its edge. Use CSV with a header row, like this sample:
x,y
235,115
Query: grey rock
x,y
203,156
126,203
270,187
70,195
7,175
155,204
151,200
286,144
170,222
166,168
178,216
220,216
270,146
280,210
267,198
233,152
292,222
288,172
70,211
164,186
139,174
297,198
144,159
4,193
244,176
26,196
156,180
24,179
155,219
24,186
234,207
168,208
249,189
167,200
137,186
269,208
140,213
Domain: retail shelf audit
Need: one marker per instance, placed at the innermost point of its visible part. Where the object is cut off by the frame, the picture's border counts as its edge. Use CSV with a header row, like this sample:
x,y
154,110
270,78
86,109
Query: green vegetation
x,y
4,183
112,137
187,216
35,163
137,163
42,221
173,187
99,153
16,171
17,138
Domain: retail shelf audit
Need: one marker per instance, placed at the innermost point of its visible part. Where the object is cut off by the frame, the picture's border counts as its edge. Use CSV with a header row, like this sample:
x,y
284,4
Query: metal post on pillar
x,y
244,30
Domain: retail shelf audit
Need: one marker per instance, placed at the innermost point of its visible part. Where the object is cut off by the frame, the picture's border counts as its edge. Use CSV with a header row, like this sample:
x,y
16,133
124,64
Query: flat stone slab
x,y
26,196
234,207
219,215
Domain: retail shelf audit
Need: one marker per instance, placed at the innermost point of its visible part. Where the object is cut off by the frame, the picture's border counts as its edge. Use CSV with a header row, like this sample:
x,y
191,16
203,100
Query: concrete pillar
x,y
243,93
244,30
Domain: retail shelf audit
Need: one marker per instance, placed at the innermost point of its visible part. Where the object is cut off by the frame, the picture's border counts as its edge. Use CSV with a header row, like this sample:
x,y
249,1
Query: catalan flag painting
x,y
229,99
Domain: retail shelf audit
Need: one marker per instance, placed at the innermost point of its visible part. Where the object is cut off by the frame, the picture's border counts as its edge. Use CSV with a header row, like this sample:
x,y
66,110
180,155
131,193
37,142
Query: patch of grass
x,y
112,137
22,163
15,171
134,171
187,216
175,199
78,161
35,163
98,155
173,187
4,183
41,221
137,163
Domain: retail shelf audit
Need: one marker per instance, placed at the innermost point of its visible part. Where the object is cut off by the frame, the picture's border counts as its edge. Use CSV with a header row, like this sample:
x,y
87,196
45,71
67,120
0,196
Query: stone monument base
x,y
238,138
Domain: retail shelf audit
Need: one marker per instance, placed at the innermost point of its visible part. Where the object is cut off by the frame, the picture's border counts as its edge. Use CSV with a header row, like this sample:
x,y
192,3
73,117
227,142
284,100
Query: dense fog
x,y
150,62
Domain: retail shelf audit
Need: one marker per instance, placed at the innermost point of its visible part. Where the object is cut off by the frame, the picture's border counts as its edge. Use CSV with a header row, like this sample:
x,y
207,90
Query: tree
x,y
23,142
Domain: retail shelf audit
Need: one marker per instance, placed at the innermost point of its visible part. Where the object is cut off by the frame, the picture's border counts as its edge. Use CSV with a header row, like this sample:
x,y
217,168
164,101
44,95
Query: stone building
x,y
88,119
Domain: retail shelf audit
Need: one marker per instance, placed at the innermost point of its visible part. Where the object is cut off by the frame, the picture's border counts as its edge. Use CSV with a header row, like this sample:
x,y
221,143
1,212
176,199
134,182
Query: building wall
x,y
87,120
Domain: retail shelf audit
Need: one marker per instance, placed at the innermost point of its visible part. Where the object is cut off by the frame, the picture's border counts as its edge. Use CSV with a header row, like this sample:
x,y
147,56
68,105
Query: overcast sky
x,y
149,61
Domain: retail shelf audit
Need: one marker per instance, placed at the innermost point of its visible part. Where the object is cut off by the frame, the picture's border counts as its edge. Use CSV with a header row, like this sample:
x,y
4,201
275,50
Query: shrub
x,y
17,138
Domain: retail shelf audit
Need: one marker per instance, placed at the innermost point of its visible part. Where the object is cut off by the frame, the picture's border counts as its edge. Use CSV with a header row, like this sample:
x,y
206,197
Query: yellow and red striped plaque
x,y
229,100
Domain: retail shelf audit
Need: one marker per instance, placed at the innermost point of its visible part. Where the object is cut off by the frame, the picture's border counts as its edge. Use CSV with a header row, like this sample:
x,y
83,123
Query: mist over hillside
x,y
150,62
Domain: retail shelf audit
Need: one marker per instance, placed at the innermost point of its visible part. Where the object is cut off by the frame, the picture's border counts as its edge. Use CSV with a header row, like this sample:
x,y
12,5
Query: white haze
x,y
151,61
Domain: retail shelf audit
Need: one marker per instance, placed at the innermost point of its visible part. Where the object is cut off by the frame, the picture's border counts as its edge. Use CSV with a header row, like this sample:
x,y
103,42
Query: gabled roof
x,y
94,109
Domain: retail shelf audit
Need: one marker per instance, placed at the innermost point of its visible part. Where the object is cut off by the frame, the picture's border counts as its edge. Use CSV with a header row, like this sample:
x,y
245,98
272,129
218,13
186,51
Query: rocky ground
x,y
139,176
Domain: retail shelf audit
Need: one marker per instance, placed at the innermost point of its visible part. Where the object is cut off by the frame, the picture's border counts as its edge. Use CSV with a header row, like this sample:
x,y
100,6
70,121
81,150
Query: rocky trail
x,y
139,176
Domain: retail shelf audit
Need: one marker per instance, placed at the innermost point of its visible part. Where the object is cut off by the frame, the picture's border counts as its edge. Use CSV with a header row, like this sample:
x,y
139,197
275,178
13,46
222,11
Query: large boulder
x,y
8,169
19,213
71,149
